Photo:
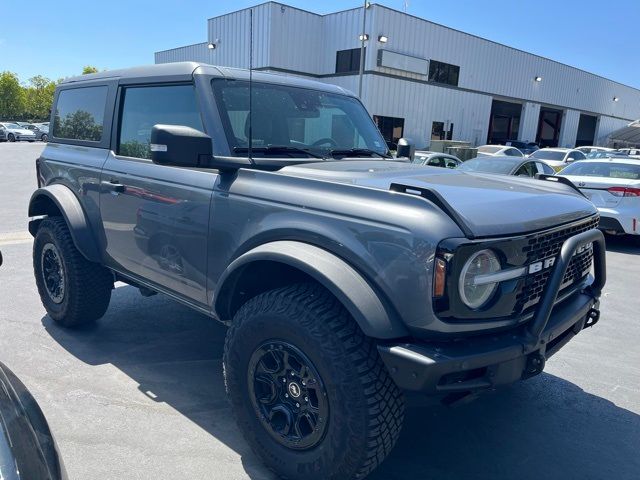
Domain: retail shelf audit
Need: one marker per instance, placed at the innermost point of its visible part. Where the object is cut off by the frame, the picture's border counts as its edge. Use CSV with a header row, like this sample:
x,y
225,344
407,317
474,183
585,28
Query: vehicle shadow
x,y
546,427
629,244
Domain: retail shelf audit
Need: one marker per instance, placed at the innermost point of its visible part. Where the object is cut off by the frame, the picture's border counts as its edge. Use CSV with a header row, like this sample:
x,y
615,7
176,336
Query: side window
x,y
436,162
512,152
79,114
144,107
450,163
526,170
544,168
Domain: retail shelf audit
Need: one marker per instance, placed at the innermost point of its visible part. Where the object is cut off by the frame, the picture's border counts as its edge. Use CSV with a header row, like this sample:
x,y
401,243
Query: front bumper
x,y
474,364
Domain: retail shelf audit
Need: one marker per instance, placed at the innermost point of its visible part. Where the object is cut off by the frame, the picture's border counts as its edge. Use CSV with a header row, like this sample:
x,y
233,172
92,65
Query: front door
x,y
156,217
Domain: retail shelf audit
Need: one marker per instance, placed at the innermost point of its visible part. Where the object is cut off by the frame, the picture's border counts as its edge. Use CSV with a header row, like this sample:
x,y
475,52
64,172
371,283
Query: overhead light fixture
x,y
364,38
538,79
383,39
615,99
211,46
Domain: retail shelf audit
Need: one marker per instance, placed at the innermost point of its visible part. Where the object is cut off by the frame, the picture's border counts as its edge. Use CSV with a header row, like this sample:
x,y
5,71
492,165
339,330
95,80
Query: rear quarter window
x,y
79,114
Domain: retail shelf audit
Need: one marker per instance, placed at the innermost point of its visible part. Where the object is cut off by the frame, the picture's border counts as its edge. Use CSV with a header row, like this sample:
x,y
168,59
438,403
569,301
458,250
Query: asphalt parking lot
x,y
141,396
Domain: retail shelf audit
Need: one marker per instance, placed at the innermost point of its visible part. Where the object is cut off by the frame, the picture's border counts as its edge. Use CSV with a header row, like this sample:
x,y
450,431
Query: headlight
x,y
475,291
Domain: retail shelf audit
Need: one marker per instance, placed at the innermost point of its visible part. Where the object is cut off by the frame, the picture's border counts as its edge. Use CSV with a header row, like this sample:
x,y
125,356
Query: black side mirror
x,y
180,146
405,149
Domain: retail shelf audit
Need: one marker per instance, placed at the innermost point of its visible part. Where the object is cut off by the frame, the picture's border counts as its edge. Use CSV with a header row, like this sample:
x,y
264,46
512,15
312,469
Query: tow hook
x,y
534,366
592,318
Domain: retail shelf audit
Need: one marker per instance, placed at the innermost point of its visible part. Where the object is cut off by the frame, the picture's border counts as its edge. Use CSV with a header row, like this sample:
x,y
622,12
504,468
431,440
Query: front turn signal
x,y
439,277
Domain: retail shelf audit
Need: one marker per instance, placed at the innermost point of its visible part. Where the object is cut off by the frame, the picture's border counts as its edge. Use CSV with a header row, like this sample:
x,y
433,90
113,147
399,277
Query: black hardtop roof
x,y
177,69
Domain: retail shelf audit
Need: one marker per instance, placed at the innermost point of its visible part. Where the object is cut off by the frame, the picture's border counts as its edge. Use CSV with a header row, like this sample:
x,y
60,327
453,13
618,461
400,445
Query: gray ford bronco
x,y
346,276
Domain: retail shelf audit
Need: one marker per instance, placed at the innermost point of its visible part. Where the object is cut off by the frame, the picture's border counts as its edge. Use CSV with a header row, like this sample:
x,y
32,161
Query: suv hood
x,y
491,205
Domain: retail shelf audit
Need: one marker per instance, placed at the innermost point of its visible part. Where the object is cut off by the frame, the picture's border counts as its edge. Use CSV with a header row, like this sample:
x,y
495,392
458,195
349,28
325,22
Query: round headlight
x,y
475,292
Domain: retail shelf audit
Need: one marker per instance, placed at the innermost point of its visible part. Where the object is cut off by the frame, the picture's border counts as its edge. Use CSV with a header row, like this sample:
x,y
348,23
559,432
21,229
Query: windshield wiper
x,y
275,149
356,152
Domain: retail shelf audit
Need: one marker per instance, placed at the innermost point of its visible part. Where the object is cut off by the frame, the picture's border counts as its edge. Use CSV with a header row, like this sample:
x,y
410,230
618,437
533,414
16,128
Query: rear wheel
x,y
44,137
308,388
73,290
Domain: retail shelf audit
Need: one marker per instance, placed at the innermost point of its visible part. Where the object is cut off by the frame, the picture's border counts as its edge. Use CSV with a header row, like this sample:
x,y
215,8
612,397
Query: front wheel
x,y
11,137
308,388
73,290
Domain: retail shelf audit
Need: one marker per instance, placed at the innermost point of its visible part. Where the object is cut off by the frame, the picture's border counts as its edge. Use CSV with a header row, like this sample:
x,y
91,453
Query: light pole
x,y
363,38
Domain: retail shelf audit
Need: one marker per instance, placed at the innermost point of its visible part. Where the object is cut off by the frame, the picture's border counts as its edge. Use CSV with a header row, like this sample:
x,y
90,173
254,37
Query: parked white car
x,y
498,151
16,133
632,152
558,157
591,148
613,185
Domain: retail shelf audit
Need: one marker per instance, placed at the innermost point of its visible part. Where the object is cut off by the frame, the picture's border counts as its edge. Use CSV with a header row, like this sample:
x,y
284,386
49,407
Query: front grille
x,y
546,245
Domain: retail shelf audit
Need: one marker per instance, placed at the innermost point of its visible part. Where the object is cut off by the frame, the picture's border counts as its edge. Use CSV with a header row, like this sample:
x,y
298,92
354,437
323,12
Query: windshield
x,y
489,149
603,169
299,119
601,154
548,155
12,125
487,165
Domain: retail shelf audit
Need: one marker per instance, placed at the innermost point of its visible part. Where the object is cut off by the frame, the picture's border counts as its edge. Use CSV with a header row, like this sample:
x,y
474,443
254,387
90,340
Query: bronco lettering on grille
x,y
549,262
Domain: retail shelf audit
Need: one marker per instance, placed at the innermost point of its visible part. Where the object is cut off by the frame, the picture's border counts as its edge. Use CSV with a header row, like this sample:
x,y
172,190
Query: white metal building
x,y
423,80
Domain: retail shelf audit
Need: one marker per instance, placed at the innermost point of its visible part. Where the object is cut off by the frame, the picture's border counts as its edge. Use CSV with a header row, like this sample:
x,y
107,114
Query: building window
x,y
391,129
445,73
348,61
438,131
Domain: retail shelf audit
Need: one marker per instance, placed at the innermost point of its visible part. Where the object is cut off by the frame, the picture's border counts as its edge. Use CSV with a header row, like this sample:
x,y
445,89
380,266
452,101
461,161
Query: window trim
x,y
107,120
119,106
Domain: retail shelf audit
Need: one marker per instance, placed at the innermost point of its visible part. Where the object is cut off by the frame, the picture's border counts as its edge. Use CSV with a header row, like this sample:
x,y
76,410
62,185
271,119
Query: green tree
x,y
12,98
79,125
89,69
38,98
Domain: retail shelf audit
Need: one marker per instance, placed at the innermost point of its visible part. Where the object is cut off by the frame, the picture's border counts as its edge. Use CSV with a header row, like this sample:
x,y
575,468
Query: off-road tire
x,y
366,408
87,285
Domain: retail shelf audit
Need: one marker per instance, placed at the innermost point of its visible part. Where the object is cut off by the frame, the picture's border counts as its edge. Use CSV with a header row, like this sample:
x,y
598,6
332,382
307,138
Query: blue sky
x,y
57,40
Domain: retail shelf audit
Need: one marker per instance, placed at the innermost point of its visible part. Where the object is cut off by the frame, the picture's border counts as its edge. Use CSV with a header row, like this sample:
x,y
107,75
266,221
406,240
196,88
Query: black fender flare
x,y
69,206
337,276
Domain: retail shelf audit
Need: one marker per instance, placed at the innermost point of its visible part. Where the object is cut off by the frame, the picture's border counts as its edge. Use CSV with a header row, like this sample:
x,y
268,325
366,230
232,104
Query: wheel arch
x,y
59,200
280,263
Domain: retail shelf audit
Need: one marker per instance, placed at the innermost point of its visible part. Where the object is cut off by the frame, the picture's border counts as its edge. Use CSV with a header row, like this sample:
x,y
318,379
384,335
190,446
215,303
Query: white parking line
x,y
15,238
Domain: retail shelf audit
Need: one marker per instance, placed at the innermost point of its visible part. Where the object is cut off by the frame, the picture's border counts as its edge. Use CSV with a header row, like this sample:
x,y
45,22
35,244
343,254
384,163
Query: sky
x,y
59,39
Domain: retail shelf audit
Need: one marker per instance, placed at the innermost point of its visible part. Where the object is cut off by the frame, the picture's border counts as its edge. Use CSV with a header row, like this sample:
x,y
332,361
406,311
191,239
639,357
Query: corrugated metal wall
x,y
195,53
290,39
569,129
607,125
419,105
489,67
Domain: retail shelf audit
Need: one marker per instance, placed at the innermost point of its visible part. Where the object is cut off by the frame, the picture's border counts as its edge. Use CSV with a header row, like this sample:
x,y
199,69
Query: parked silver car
x,y
498,151
436,159
16,133
39,130
503,165
558,157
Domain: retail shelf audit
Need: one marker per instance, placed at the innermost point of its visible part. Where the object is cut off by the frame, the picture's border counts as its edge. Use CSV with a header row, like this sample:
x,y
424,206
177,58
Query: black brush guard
x,y
470,365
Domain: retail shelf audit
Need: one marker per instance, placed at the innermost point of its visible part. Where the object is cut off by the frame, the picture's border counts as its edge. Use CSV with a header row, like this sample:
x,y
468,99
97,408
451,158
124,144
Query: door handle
x,y
113,186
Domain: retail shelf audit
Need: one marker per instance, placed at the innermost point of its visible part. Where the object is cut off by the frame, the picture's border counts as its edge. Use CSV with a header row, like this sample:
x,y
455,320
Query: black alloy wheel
x,y
288,395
